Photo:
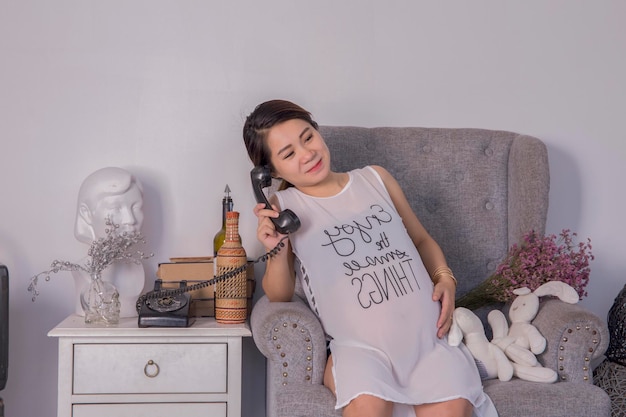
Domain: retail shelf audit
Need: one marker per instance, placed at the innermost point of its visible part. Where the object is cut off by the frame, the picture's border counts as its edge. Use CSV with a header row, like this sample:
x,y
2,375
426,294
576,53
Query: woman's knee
x,y
368,406
459,407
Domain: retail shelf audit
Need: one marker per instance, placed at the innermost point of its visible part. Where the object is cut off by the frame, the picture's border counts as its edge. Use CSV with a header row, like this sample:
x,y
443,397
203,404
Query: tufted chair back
x,y
458,182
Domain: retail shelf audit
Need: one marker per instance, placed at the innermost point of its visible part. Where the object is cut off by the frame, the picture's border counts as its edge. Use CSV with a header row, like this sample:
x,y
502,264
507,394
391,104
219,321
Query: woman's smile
x,y
315,167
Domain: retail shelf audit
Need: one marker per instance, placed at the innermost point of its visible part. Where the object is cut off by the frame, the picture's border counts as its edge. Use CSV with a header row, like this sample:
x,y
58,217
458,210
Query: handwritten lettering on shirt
x,y
375,278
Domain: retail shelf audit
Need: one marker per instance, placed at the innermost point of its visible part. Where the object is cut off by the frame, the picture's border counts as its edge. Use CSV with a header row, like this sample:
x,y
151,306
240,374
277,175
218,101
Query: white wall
x,y
161,88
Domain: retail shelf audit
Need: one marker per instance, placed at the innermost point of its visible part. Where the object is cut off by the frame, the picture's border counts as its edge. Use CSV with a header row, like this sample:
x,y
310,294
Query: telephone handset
x,y
287,221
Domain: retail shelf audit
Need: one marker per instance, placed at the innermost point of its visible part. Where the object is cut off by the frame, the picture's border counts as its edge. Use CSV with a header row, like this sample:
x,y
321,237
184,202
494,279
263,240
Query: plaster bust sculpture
x,y
116,194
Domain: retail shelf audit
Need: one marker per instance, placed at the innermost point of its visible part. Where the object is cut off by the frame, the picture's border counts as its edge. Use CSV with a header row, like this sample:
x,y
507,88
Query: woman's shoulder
x,y
380,172
379,169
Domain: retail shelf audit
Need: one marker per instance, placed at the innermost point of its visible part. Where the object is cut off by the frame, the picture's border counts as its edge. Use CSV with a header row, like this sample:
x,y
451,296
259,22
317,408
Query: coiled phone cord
x,y
152,295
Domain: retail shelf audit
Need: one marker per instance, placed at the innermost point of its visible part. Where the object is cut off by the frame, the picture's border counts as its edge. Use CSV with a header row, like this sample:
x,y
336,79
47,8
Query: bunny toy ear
x,y
521,291
559,289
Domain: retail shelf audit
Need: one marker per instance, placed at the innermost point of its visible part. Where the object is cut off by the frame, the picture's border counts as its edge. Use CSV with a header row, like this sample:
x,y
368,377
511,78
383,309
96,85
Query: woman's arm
x,y
429,250
279,278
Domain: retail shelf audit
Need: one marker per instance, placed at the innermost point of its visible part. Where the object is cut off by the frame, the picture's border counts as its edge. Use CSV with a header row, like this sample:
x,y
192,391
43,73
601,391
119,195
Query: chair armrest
x,y
575,338
291,337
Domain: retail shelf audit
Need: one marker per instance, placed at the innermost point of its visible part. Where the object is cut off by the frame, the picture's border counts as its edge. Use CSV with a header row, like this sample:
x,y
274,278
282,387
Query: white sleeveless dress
x,y
365,280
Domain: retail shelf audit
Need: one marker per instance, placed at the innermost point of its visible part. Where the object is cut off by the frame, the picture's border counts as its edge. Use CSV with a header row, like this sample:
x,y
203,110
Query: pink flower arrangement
x,y
535,261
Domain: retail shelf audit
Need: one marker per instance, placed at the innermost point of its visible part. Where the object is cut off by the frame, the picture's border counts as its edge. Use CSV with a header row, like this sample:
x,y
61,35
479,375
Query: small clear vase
x,y
101,302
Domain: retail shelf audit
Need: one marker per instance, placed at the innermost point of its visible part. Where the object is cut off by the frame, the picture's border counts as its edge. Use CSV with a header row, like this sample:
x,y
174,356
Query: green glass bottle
x,y
220,236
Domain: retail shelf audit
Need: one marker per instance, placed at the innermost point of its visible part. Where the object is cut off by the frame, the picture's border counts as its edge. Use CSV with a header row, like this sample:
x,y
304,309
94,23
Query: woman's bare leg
x,y
329,380
368,406
453,408
363,405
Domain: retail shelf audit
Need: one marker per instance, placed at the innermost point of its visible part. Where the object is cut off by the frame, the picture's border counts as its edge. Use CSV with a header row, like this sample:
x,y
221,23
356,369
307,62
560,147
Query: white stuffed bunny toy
x,y
522,336
490,359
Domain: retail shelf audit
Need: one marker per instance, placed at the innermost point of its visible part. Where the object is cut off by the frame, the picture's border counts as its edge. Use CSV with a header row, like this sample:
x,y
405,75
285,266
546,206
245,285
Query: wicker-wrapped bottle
x,y
230,294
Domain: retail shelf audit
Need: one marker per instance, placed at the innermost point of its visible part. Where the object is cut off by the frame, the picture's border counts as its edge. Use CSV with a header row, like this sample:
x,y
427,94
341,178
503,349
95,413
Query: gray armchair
x,y
477,192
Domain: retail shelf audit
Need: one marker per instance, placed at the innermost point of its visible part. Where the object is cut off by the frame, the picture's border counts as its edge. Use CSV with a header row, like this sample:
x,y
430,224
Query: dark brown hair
x,y
265,116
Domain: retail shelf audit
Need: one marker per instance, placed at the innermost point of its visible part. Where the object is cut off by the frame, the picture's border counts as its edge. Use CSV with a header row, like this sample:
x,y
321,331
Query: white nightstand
x,y
127,371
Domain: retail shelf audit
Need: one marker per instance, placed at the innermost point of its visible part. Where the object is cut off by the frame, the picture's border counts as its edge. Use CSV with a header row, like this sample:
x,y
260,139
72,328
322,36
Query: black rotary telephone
x,y
170,307
169,310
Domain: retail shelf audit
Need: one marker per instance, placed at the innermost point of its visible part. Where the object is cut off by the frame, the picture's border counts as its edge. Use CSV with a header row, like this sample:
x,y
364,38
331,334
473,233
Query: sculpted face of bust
x,y
109,193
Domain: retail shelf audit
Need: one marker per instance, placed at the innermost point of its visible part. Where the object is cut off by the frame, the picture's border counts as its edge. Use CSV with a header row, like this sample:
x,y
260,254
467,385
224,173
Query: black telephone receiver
x,y
287,221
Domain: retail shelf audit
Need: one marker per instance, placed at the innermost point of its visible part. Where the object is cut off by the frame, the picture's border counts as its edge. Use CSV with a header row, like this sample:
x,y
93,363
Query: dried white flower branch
x,y
102,253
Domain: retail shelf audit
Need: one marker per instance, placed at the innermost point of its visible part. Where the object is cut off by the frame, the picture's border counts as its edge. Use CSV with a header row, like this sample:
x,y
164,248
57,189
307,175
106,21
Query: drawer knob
x,y
151,370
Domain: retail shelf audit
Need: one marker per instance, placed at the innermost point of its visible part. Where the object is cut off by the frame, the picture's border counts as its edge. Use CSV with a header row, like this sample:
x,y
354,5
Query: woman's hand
x,y
444,292
279,278
266,231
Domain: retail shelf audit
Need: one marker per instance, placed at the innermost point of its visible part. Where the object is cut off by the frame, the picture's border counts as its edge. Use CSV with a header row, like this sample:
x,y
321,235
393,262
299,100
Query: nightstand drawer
x,y
150,410
150,368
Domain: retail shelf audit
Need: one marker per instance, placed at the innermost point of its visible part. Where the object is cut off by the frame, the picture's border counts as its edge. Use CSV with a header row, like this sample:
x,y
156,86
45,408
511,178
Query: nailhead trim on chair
x,y
590,350
309,348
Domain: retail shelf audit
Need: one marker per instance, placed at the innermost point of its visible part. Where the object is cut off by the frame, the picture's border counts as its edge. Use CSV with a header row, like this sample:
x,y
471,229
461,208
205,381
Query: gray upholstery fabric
x,y
517,398
318,401
477,192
